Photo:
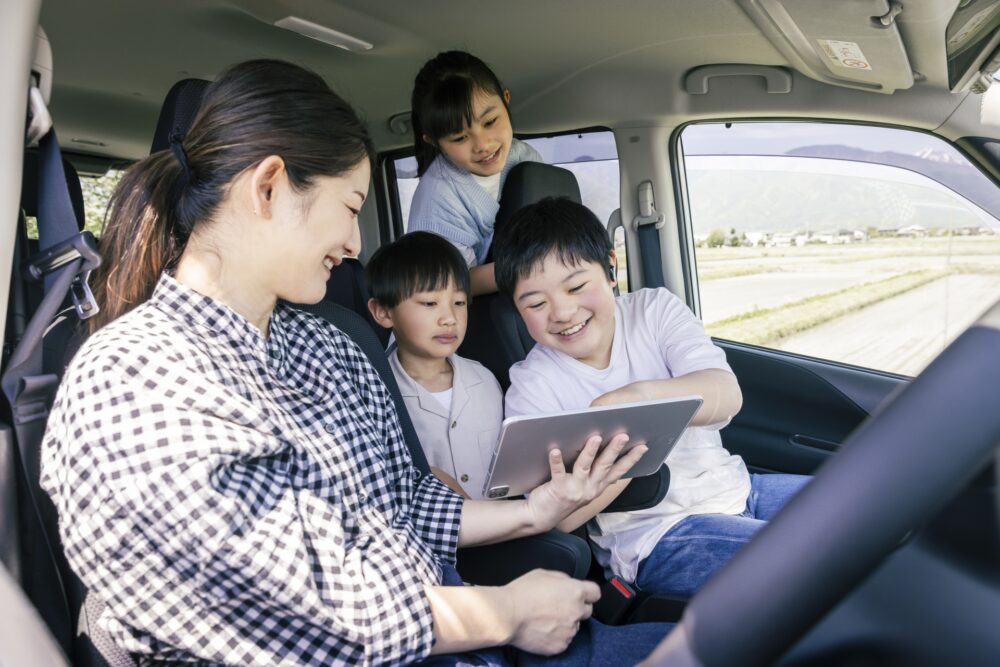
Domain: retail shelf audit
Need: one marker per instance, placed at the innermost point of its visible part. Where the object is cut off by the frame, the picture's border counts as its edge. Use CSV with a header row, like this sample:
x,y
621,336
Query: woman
x,y
230,472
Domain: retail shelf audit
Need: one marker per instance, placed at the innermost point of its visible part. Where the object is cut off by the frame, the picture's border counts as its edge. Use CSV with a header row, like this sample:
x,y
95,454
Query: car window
x,y
591,156
870,246
96,195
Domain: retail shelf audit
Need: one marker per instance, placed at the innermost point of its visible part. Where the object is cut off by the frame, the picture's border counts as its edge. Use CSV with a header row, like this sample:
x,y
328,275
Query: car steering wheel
x,y
887,480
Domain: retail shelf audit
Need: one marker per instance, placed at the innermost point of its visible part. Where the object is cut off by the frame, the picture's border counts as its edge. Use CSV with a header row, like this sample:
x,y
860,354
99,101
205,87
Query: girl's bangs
x,y
448,109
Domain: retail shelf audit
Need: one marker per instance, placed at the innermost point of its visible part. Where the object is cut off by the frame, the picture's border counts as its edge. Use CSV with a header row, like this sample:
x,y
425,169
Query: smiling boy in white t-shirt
x,y
555,261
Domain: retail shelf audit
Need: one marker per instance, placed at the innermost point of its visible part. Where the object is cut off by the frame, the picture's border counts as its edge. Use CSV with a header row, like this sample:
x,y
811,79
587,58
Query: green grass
x,y
766,325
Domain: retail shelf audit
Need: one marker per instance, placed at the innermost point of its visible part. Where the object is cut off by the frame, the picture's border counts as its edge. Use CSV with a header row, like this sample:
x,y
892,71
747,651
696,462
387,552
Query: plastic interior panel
x,y
9,532
786,397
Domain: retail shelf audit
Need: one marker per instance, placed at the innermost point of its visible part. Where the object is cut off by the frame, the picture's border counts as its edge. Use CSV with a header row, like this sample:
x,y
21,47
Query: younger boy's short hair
x,y
558,225
415,262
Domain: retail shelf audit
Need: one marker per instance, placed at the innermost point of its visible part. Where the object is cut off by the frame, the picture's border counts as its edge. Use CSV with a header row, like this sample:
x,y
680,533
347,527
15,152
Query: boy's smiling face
x,y
431,324
570,308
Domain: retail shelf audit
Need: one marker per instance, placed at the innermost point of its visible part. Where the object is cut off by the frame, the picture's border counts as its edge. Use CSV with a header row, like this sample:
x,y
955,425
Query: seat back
x,y
496,336
180,106
348,288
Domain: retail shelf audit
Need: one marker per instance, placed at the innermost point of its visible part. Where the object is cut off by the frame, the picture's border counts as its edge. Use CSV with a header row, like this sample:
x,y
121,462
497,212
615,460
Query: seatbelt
x,y
648,224
64,263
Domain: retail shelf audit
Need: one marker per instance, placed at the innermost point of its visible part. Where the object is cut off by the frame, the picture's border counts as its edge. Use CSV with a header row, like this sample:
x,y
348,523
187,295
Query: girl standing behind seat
x,y
465,147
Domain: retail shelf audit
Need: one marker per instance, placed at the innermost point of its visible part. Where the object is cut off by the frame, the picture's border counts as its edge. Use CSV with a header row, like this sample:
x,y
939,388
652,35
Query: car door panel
x,y
797,411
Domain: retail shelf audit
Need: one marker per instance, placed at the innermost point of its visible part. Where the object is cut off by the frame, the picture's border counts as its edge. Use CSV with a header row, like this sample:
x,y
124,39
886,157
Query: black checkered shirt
x,y
244,500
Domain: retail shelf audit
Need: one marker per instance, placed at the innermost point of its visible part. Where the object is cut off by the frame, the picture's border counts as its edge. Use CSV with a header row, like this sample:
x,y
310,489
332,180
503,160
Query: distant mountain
x,y
764,200
955,173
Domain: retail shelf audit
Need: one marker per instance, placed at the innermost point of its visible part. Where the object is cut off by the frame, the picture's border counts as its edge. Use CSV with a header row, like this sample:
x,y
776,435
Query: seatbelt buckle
x,y
617,598
81,246
84,302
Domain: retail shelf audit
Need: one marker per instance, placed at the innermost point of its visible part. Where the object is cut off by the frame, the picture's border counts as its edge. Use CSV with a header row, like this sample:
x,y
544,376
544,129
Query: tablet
x,y
521,458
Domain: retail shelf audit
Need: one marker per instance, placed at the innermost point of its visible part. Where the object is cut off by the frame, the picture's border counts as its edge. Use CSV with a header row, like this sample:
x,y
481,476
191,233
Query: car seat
x,y
498,349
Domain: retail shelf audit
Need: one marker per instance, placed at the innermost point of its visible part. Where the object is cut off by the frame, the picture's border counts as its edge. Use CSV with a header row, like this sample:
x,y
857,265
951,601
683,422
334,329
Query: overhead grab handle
x,y
777,79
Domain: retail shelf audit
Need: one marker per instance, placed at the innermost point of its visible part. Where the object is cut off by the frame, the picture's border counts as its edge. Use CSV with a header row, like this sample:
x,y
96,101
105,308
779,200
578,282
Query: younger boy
x,y
555,261
419,287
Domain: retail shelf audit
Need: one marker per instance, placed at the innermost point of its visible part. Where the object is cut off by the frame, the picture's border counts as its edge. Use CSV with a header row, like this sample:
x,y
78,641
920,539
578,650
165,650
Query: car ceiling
x,y
569,64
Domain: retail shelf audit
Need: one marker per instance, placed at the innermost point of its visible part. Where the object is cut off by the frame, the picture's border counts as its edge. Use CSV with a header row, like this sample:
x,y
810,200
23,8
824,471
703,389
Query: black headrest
x,y
29,188
530,182
178,111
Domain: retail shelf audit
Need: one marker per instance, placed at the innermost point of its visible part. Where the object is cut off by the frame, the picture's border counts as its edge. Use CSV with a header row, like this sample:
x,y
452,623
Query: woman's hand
x,y
547,608
594,470
539,612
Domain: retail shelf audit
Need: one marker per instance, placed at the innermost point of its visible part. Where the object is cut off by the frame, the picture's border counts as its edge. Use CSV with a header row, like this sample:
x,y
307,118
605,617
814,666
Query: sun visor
x,y
989,110
971,41
850,44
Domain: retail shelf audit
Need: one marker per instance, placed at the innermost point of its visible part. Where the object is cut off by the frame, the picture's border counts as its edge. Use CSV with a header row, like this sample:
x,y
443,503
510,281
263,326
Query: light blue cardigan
x,y
450,203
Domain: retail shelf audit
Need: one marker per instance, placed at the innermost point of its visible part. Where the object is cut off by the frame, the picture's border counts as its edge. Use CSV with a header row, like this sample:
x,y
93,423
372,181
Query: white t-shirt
x,y
656,337
489,183
443,397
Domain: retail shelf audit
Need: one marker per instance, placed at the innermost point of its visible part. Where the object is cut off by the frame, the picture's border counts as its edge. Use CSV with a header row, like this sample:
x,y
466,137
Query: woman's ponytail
x,y
137,242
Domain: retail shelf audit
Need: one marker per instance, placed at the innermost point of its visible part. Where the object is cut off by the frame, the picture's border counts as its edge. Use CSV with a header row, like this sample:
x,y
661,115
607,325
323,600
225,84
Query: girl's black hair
x,y
553,225
415,262
442,99
251,111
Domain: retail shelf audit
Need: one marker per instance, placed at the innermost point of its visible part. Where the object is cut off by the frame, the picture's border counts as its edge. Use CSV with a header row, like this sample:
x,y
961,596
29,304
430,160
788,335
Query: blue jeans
x,y
596,644
692,551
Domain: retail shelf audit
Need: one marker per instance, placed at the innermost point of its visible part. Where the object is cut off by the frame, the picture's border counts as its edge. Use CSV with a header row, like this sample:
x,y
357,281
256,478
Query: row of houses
x,y
829,237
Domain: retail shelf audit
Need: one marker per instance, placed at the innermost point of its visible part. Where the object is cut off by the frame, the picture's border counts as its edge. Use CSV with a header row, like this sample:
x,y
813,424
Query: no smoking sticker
x,y
844,54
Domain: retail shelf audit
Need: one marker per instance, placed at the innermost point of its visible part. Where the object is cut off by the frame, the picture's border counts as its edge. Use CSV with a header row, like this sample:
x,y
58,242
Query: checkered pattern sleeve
x,y
226,517
437,513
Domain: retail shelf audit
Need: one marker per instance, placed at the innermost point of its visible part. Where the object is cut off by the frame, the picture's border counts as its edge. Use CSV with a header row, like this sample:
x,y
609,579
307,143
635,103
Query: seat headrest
x,y
29,188
178,111
530,182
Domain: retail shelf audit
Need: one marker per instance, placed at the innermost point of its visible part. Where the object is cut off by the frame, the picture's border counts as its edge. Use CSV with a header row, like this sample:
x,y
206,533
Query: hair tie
x,y
177,148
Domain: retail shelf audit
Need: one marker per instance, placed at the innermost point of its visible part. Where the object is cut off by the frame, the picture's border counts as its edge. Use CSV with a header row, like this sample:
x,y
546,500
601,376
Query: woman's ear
x,y
265,182
380,314
506,96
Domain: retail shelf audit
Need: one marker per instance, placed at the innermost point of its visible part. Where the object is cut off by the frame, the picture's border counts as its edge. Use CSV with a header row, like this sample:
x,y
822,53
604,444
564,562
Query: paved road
x,y
904,333
726,297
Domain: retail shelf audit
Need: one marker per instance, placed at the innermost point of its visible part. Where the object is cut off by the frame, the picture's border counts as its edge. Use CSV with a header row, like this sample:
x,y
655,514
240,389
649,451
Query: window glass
x,y
591,156
96,195
864,245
